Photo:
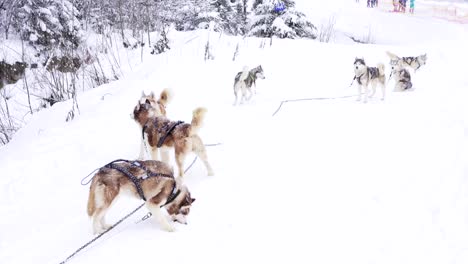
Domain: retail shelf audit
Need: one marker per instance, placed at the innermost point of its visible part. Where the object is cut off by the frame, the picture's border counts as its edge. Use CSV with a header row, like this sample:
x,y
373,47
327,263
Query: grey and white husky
x,y
413,62
244,81
402,77
366,75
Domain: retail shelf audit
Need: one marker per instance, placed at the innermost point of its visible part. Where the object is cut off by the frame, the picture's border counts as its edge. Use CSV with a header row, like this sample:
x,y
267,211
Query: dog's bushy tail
x,y
165,96
381,68
197,119
245,73
91,197
391,55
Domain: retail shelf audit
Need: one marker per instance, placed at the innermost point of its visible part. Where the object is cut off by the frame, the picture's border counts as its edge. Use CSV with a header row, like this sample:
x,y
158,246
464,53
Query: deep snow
x,y
333,181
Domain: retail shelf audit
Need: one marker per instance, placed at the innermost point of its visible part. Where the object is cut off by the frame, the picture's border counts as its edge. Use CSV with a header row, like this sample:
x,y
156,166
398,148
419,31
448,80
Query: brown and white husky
x,y
160,133
150,180
149,106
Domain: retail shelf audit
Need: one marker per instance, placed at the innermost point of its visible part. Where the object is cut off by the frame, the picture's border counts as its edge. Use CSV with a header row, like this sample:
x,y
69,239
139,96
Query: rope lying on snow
x,y
101,234
148,215
310,99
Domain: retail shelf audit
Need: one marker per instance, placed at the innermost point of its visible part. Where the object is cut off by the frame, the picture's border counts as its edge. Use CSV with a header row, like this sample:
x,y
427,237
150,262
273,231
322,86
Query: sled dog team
x,y
154,182
365,76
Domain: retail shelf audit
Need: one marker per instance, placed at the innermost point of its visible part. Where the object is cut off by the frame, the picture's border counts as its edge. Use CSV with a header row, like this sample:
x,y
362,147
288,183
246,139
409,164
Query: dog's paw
x,y
100,230
210,173
169,228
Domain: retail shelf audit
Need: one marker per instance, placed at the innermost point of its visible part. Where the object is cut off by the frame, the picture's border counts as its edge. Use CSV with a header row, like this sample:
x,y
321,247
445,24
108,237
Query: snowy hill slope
x,y
332,181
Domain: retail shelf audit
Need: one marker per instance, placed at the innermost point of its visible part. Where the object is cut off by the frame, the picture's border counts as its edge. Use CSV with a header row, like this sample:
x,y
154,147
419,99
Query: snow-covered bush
x,y
267,21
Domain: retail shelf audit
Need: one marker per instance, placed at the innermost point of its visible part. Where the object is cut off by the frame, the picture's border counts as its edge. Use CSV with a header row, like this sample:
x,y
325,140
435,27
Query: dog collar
x,y
175,192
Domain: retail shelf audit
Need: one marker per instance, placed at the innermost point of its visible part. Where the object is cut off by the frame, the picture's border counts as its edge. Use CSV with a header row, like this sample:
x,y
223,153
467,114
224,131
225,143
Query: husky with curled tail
x,y
244,81
163,134
366,76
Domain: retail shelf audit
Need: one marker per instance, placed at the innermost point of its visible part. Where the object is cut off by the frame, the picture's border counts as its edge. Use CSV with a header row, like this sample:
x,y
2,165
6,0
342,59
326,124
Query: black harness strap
x,y
373,72
174,193
137,181
168,131
132,177
419,65
145,126
410,60
358,79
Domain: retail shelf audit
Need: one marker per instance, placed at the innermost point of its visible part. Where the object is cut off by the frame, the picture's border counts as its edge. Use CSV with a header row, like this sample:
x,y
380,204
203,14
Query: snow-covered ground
x,y
331,181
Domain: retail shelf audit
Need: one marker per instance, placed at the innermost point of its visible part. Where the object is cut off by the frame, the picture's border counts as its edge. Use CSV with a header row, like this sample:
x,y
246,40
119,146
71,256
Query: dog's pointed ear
x,y
143,94
193,200
152,94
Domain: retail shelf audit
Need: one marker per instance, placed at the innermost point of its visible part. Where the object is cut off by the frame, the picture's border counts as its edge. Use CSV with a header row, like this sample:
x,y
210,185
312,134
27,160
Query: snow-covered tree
x,y
47,24
228,17
7,11
187,14
241,16
268,21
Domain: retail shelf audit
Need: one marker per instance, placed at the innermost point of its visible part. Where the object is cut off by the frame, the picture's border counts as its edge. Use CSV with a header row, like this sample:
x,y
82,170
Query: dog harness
x,y
372,72
137,181
166,129
409,60
250,79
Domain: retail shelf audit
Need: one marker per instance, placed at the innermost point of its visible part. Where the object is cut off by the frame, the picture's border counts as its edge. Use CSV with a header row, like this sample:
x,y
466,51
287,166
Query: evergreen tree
x,y
241,16
287,23
229,16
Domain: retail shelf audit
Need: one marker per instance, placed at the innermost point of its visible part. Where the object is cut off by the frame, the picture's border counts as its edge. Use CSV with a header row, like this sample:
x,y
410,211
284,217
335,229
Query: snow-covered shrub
x,y
288,23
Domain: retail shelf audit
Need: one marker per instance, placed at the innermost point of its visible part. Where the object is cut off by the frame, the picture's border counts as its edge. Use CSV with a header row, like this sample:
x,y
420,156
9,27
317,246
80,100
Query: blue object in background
x,y
279,7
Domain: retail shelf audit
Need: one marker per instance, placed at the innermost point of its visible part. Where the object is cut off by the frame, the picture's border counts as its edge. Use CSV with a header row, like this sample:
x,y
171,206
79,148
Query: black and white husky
x,y
244,80
369,75
402,77
413,62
